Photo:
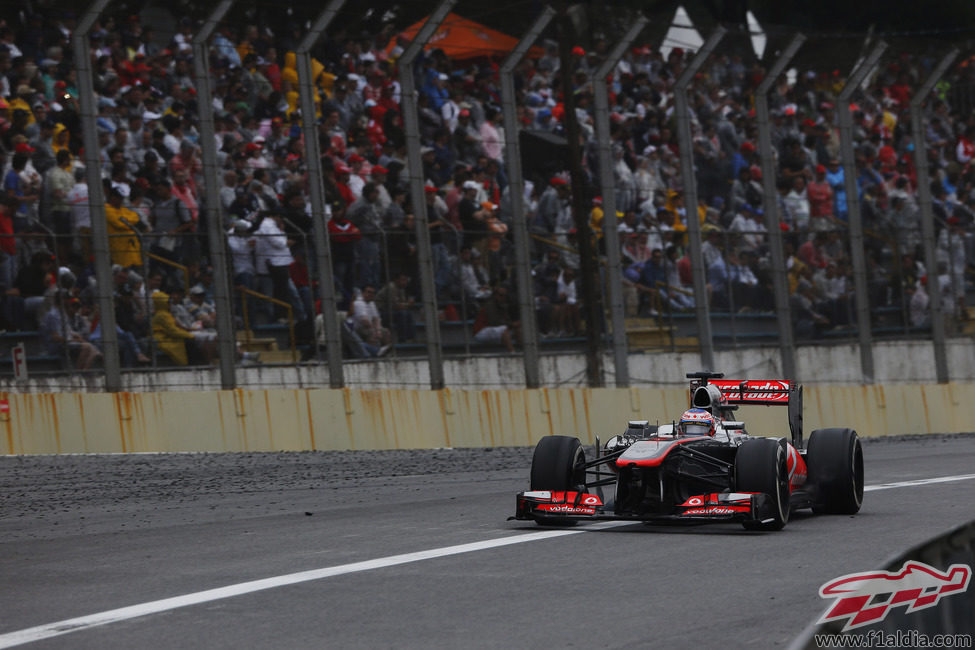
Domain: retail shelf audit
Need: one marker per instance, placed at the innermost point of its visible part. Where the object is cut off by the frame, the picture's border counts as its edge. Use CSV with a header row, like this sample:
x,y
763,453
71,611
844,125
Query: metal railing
x,y
248,335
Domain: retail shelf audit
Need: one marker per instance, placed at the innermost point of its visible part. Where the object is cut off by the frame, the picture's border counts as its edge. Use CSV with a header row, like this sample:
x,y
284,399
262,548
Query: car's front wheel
x,y
760,466
558,465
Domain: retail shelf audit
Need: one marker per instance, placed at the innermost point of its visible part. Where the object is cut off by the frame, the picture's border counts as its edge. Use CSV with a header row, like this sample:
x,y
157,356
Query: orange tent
x,y
460,38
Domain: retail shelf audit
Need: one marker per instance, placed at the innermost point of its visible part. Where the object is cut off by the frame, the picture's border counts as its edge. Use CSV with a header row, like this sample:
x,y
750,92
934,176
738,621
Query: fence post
x,y
614,270
927,214
787,350
516,192
96,194
411,125
701,306
226,341
316,188
860,72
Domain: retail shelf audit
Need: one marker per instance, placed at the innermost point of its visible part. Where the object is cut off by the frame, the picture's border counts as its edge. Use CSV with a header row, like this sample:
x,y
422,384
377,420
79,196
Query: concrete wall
x,y
895,362
388,405
317,419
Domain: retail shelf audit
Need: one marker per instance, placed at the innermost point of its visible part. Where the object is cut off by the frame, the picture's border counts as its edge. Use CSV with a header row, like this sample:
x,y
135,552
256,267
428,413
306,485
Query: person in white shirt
x,y
80,212
274,262
368,324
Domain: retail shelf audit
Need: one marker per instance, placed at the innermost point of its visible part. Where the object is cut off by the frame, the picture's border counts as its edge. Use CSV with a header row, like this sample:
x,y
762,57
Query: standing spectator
x,y
81,214
122,228
365,215
274,261
58,182
171,221
396,307
820,196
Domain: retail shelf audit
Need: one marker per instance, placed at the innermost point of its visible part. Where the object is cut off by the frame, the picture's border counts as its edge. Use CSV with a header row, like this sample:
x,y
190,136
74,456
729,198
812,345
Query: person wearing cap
x,y
820,196
473,217
467,138
554,208
202,310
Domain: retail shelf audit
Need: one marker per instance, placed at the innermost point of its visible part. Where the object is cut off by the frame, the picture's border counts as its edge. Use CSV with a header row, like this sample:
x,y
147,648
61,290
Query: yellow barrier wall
x,y
308,419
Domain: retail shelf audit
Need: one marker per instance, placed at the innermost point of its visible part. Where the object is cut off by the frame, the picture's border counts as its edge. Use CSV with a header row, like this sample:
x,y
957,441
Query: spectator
x,y
494,323
57,335
396,307
364,214
368,322
273,263
123,228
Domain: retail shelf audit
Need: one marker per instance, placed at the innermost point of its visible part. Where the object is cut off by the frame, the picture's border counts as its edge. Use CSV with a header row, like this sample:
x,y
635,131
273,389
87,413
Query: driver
x,y
696,422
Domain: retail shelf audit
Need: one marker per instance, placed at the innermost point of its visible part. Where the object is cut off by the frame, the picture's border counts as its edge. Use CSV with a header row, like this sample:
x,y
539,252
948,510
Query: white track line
x,y
920,481
58,628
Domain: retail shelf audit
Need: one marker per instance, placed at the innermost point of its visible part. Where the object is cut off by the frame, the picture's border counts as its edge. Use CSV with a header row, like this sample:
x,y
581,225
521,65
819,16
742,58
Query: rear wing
x,y
708,390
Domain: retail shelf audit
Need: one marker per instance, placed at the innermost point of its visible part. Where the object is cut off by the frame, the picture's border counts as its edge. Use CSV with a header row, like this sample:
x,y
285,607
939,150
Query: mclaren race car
x,y
704,467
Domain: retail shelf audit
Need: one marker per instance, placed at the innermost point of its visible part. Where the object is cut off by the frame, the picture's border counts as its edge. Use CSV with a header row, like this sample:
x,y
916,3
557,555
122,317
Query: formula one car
x,y
704,467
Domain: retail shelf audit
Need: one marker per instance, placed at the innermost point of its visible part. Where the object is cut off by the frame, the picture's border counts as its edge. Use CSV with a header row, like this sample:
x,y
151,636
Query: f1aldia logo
x,y
865,598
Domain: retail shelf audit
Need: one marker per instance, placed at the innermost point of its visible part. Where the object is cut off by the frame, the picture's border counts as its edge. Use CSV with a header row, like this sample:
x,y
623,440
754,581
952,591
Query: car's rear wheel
x,y
760,466
558,465
834,460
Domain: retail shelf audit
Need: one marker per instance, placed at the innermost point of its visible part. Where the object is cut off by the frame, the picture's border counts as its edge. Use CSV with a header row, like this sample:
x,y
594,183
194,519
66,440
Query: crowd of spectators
x,y
149,139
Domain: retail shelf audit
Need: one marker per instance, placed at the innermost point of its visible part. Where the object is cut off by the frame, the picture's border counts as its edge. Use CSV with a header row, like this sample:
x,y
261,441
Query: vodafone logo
x,y
864,598
712,510
567,509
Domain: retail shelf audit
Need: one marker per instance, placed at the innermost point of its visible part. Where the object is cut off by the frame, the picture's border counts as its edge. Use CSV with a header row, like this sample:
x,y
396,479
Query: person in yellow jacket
x,y
121,221
170,336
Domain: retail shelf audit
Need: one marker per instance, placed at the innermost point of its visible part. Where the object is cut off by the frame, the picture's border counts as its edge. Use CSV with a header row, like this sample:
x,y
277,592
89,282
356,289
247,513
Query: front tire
x,y
760,466
834,459
558,465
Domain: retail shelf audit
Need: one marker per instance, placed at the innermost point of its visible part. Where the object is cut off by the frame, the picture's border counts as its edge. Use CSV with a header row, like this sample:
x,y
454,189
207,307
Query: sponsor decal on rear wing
x,y
755,391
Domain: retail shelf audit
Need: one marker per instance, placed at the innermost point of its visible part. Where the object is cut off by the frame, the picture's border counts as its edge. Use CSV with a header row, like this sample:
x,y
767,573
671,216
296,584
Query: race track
x,y
411,549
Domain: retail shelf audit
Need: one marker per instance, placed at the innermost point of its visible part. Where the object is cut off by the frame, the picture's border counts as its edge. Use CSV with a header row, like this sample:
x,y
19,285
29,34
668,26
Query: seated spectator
x,y
494,323
175,340
368,323
568,316
202,311
807,322
56,333
25,298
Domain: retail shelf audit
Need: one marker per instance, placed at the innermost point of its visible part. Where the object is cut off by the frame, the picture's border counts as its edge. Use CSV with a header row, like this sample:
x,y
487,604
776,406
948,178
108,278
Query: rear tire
x,y
558,465
834,460
760,466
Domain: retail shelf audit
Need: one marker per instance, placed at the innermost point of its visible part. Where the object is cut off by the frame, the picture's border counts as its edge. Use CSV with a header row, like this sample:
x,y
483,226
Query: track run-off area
x,y
412,549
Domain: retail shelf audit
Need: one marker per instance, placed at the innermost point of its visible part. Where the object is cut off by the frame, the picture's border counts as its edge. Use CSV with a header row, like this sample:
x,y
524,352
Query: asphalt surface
x,y
80,535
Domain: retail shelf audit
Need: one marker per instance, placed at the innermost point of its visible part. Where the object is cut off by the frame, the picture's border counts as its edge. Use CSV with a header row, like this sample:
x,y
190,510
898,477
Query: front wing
x,y
551,506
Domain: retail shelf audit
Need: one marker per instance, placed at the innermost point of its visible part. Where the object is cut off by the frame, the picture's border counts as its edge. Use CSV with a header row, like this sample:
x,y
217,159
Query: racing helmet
x,y
696,422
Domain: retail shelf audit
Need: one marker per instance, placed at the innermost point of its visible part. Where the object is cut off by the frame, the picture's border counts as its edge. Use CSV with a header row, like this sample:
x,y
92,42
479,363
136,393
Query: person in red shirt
x,y
820,196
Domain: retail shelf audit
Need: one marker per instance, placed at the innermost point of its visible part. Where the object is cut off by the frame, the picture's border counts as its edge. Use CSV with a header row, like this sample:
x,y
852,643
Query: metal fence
x,y
736,253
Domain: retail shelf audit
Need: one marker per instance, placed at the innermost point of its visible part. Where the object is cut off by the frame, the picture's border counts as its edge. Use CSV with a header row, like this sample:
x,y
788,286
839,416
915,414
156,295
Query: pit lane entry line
x,y
50,630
